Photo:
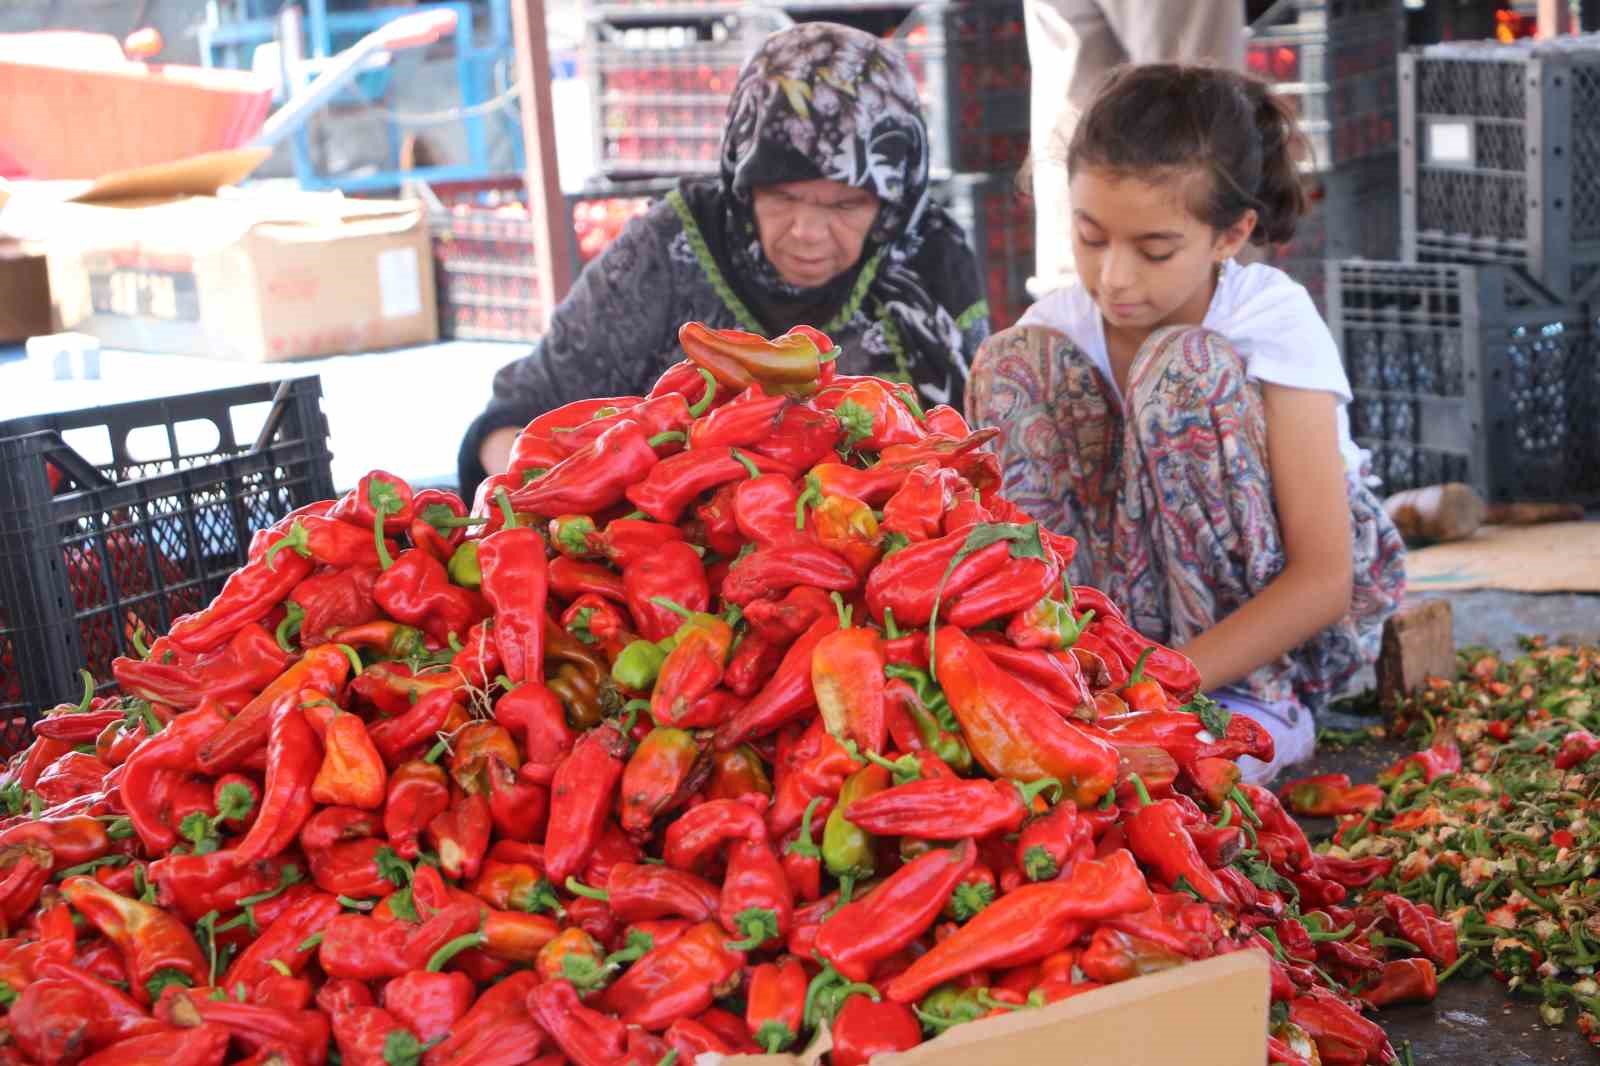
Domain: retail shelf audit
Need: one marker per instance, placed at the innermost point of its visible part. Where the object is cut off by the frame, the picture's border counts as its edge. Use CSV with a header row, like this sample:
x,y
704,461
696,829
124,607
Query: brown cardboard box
x,y
24,291
166,259
1211,1013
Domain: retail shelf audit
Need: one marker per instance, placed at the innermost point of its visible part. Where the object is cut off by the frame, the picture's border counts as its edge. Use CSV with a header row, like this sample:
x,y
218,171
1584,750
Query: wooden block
x,y
1418,643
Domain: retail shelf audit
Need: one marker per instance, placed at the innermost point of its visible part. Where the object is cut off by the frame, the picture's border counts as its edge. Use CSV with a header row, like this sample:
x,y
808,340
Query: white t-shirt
x,y
1267,315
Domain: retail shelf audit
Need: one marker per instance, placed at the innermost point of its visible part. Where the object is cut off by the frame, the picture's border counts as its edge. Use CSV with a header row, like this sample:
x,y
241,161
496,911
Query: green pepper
x,y
949,1005
463,566
847,849
638,664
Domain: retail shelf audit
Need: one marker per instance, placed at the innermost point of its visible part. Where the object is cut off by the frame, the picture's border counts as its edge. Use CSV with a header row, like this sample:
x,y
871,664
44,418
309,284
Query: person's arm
x,y
1313,590
606,337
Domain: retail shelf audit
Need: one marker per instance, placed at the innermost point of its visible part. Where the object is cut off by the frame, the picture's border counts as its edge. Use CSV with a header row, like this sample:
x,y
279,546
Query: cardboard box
x,y
167,259
24,291
1211,1013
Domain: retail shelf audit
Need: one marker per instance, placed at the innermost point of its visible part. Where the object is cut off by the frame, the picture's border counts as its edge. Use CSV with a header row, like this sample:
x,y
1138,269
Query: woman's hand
x,y
495,451
1313,504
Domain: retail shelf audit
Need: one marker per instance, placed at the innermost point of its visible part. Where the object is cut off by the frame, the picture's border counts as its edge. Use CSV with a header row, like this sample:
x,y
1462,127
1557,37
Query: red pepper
x,y
1577,748
205,1045
581,795
352,771
674,482
535,716
627,540
863,933
175,749
438,522
1330,795
395,738
665,769
775,1003
781,621
638,892
757,904
1403,981
788,695
1011,733
803,437
1028,924
1434,937
692,668
1158,835
749,418
873,414
768,572
1171,669
588,1037
1052,843
913,580
754,661
666,413
1048,623
516,583
866,1027
939,808
461,835
570,579
1179,734
249,595
917,509
847,678
674,572
286,803
593,478
323,668
764,510
1342,1035
677,980
698,833
230,674
500,1022
305,1033
156,946
1435,762
1053,676
283,939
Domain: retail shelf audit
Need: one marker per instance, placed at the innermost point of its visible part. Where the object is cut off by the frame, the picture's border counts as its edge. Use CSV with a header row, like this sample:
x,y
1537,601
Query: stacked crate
x,y
661,75
1500,228
1334,62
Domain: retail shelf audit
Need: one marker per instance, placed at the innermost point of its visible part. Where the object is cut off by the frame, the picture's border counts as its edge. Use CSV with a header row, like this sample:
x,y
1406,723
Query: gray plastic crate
x,y
1461,373
1500,144
999,224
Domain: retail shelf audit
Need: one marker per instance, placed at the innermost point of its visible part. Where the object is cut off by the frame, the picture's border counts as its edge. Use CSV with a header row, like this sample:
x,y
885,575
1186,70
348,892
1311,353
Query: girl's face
x,y
1146,260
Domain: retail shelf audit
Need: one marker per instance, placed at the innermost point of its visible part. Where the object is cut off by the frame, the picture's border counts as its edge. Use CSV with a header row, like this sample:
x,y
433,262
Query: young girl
x,y
1183,416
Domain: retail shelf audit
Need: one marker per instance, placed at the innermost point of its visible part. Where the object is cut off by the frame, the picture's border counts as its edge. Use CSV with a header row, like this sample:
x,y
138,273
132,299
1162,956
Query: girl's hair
x,y
1153,119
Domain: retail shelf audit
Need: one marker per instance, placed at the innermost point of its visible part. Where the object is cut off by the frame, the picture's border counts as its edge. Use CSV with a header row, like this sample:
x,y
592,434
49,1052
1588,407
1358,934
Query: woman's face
x,y
813,231
1142,254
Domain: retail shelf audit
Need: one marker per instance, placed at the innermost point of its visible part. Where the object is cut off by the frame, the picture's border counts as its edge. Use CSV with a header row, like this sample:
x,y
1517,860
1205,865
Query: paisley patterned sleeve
x,y
1012,387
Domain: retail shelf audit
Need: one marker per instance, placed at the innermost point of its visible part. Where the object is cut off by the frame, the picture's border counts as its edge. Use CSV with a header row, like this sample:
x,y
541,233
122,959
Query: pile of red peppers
x,y
734,717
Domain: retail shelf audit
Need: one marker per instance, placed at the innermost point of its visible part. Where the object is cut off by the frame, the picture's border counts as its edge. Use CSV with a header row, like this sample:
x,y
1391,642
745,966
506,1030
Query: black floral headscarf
x,y
820,100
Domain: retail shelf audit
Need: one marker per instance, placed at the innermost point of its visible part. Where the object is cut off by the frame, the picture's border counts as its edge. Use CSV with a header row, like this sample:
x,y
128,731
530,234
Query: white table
x,y
403,410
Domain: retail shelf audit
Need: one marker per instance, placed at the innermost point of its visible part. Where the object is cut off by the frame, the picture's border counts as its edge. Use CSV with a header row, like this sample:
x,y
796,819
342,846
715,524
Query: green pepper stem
x,y
700,406
845,611
578,888
502,499
1138,668
452,948
1139,787
803,844
296,540
385,560
670,436
904,768
354,657
672,605
136,638
1029,791
890,630
810,497
745,461
1246,808
88,692
293,615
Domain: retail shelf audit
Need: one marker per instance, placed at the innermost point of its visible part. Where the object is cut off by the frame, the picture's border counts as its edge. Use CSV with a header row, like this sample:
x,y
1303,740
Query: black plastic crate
x,y
1461,373
1499,147
94,546
999,223
1355,212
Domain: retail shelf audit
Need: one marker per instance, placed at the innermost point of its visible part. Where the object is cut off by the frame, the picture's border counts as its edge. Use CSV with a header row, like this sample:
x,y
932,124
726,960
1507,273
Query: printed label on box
x,y
399,283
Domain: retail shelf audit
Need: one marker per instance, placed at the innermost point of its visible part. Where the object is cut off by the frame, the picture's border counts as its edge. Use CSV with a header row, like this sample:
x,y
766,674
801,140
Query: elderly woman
x,y
820,216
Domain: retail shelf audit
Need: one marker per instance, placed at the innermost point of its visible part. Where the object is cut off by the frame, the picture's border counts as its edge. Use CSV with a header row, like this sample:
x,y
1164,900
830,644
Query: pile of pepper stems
x,y
1491,824
744,716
